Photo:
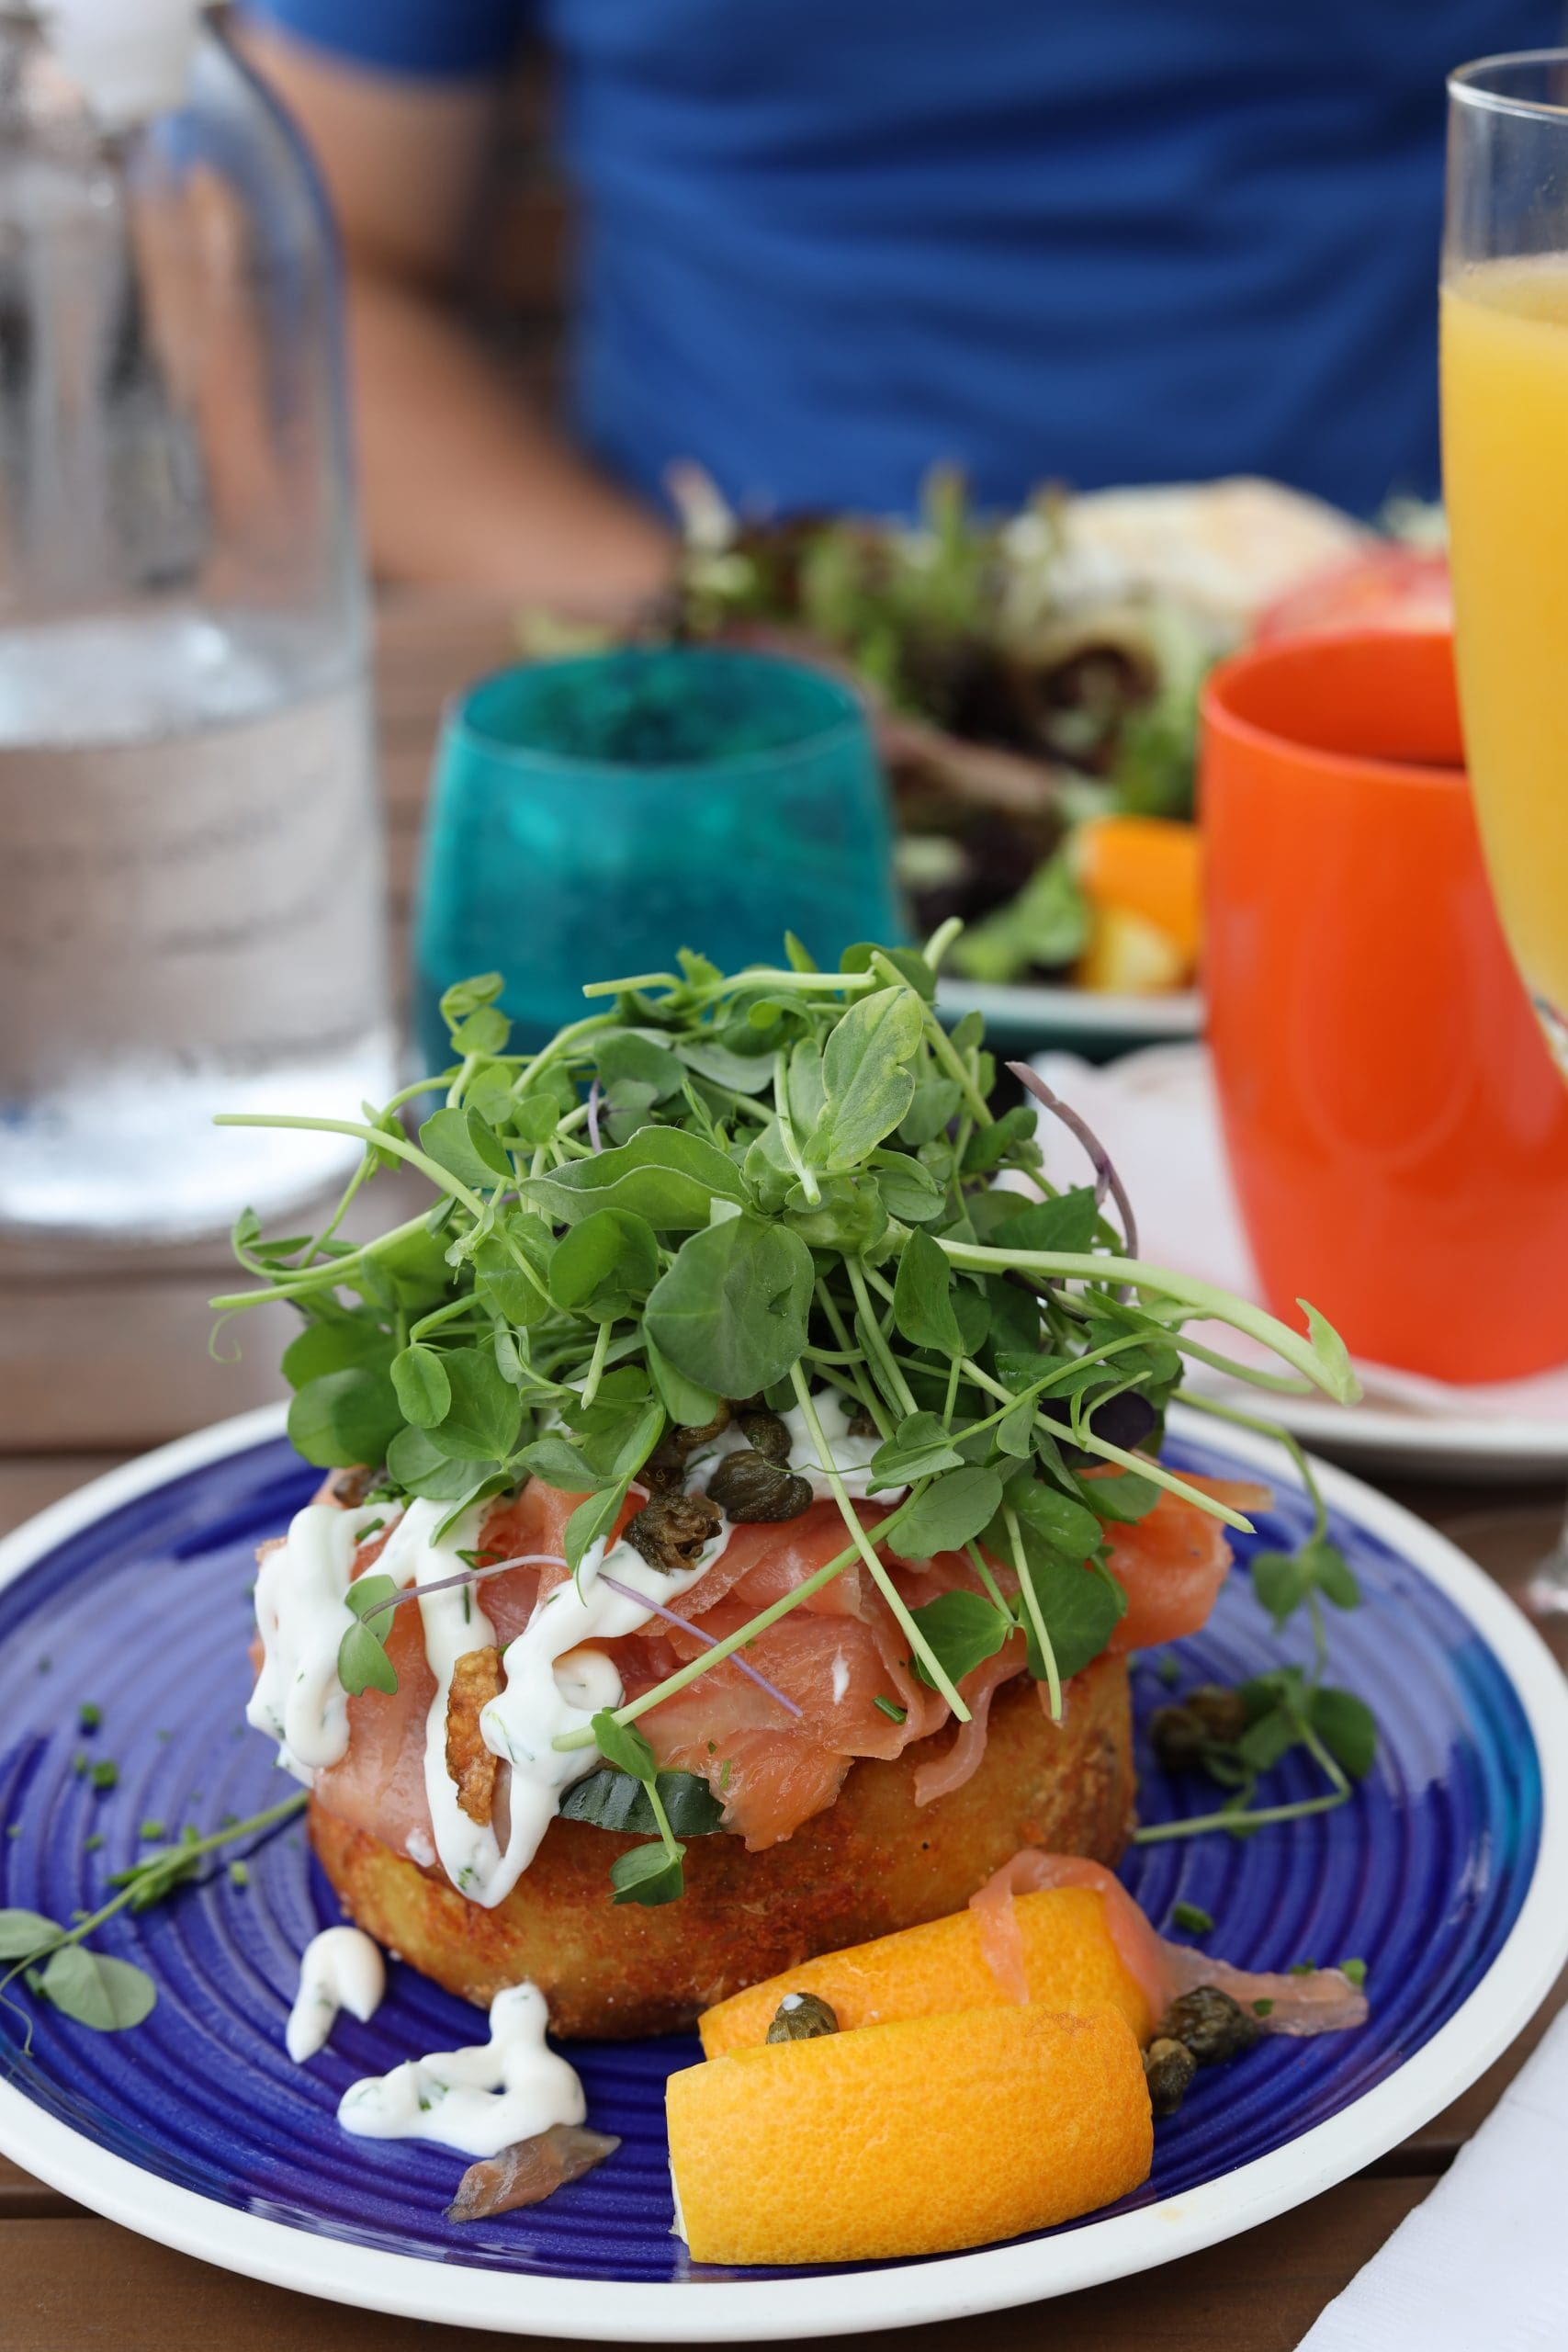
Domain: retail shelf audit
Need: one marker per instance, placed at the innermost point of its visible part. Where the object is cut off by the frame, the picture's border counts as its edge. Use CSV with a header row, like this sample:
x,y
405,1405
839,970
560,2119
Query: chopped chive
x,y
1169,1671
1263,2008
239,1874
151,1829
1355,1970
105,1775
89,1845
13,1830
89,1716
1302,1968
1192,1917
895,1715
79,1762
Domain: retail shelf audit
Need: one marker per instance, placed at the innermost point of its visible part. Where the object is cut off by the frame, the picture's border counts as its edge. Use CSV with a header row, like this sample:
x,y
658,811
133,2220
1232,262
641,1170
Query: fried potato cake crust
x,y
872,1862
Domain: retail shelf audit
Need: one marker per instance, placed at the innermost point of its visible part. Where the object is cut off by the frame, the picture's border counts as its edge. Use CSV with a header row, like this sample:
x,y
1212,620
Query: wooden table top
x,y
99,1363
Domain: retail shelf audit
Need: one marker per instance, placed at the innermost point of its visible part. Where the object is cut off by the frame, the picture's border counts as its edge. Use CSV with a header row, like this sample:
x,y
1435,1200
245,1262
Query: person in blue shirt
x,y
822,245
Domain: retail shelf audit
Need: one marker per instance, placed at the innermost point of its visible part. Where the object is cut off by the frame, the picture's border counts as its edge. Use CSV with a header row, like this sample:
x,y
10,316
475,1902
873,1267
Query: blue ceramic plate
x,y
195,2129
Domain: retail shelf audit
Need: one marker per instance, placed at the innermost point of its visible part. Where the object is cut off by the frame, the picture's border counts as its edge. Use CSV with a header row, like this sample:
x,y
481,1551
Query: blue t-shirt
x,y
824,243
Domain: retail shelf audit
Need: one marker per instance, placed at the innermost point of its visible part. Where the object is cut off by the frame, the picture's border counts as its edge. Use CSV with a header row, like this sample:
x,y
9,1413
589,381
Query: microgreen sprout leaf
x,y
423,1388
24,1934
649,1874
964,1630
623,1746
362,1664
96,1989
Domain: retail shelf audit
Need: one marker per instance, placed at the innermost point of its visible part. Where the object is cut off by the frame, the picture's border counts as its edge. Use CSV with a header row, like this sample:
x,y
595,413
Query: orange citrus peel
x,y
921,2136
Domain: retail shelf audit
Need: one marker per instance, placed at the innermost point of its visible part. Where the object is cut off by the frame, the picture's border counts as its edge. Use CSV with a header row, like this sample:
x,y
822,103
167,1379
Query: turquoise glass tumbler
x,y
590,817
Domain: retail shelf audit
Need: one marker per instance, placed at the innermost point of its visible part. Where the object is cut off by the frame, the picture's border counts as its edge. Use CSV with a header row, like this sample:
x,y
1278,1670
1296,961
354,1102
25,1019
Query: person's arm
x,y
462,484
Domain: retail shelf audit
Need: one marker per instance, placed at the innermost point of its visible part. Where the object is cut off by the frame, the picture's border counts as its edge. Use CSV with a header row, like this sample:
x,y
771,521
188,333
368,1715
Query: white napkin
x,y
1482,2263
1155,1115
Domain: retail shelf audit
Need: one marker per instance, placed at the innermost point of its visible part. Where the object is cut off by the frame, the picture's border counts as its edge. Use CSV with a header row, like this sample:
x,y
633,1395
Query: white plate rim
x,y
1462,1448
956,2286
1098,1012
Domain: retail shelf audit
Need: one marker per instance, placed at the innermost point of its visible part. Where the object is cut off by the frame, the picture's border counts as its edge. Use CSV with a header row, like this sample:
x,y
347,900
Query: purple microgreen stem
x,y
630,1592
1105,1175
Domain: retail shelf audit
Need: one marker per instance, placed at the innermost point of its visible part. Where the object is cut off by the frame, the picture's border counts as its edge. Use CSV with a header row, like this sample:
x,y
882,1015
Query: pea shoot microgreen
x,y
653,1873
778,1184
98,1989
1290,1708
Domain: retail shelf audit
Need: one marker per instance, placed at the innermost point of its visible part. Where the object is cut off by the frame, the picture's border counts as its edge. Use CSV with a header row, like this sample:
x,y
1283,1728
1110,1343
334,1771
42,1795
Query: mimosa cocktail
x,y
1505,478
1505,345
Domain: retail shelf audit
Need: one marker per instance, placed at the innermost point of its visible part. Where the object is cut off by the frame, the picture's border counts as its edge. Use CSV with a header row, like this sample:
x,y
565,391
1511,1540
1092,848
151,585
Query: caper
x,y
747,1487
765,1433
1169,2067
1222,1713
1213,2026
801,2016
1178,1737
665,1468
671,1530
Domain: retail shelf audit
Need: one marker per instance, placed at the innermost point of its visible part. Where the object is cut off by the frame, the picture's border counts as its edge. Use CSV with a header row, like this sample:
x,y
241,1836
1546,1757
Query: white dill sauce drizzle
x,y
554,1684
477,2100
339,1969
302,1616
554,1680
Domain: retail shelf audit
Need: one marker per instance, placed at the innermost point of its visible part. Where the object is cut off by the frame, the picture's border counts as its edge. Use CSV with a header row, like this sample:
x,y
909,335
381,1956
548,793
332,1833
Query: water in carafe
x,y
191,899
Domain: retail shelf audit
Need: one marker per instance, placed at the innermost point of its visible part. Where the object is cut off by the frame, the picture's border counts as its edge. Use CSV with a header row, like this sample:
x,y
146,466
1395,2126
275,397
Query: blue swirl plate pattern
x,y
196,2127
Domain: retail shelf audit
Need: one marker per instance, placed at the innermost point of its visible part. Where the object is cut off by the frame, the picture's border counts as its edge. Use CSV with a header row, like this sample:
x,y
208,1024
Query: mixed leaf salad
x,y
1034,678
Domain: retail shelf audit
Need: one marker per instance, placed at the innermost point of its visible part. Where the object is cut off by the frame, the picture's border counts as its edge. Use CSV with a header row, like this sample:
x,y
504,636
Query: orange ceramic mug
x,y
1397,1134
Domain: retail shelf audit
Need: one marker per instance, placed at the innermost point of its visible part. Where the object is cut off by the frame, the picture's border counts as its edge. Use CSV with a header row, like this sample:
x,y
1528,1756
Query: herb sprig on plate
x,y
98,1989
775,1184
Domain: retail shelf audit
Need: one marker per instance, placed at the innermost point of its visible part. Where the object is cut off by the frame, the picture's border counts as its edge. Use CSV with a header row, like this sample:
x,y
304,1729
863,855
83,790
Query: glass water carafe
x,y
191,895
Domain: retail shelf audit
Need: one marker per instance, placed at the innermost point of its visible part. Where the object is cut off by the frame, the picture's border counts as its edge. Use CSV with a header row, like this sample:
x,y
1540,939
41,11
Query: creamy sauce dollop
x,y
339,1969
477,2100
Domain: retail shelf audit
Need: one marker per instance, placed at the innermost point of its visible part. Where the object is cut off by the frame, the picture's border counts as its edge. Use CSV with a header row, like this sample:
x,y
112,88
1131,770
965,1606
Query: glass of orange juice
x,y
1505,370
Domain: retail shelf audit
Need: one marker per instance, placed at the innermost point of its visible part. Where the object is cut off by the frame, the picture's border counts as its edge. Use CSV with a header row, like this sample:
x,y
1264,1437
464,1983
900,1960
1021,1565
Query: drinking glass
x,y
1390,1113
590,817
1505,369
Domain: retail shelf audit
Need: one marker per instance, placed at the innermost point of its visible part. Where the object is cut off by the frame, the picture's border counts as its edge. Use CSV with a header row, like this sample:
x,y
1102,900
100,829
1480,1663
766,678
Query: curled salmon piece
x,y
1172,1563
939,1775
1325,2001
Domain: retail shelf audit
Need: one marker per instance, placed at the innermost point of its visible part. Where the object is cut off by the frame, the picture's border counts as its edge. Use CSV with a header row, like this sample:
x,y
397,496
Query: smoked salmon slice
x,y
840,1657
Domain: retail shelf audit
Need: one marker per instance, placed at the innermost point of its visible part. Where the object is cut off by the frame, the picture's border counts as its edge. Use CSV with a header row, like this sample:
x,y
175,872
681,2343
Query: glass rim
x,y
1466,84
848,722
